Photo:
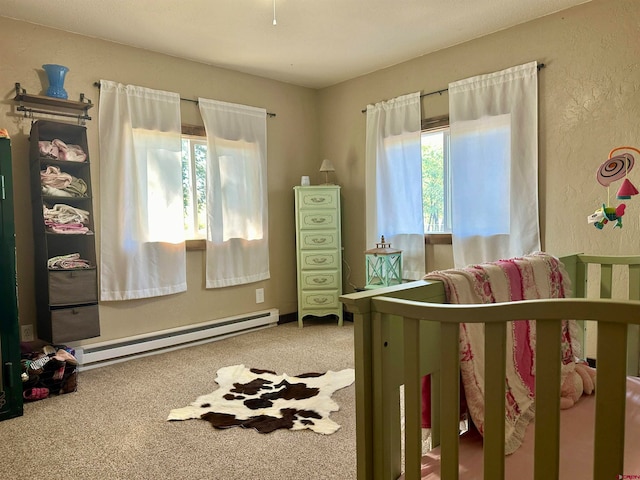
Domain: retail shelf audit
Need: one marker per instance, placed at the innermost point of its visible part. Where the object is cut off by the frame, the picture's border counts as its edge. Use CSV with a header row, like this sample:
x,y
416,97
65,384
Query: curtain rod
x,y
269,114
540,66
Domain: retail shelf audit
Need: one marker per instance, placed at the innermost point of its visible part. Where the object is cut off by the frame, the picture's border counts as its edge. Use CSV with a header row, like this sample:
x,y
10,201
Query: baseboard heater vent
x,y
106,353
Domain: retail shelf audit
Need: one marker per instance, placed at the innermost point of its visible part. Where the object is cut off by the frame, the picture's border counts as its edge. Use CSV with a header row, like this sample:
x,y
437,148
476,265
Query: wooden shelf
x,y
81,106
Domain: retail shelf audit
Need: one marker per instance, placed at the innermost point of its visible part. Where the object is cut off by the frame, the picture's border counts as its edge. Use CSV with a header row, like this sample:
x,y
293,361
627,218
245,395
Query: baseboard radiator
x,y
123,349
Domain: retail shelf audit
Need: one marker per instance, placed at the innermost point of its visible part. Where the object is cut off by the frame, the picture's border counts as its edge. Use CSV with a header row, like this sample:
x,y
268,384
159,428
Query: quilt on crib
x,y
534,276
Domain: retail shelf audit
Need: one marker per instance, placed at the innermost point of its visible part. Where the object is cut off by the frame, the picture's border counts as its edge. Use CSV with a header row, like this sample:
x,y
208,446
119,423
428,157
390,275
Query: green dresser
x,y
10,382
319,251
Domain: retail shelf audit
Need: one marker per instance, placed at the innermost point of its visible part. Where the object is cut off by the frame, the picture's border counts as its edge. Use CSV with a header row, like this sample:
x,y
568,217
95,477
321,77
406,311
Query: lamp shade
x,y
327,166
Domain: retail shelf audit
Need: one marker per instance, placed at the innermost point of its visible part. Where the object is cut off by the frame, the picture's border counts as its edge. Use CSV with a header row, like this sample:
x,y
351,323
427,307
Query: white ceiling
x,y
316,43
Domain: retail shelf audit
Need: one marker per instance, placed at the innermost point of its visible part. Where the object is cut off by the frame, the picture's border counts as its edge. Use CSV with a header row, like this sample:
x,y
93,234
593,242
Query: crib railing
x,y
583,267
612,316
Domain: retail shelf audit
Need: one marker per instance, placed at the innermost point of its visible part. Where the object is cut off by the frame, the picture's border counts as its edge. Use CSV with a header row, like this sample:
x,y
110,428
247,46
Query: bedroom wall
x,y
292,152
589,103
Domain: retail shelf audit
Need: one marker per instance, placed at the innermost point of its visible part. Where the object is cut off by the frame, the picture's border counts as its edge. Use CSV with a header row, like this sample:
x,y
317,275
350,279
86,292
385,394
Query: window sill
x,y
437,239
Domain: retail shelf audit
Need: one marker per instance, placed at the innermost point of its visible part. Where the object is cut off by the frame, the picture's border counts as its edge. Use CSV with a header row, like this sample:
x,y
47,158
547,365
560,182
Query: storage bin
x,y
74,323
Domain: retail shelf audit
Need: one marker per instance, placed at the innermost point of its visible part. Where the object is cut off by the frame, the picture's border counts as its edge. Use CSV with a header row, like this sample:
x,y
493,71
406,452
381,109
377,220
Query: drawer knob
x,y
319,240
320,280
320,300
320,260
318,220
317,199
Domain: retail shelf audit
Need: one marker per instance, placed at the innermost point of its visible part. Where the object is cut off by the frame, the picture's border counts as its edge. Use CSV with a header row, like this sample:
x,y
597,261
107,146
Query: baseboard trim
x,y
293,317
288,318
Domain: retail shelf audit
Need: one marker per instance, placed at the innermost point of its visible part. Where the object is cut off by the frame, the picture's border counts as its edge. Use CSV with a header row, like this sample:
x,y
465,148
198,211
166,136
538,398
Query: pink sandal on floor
x,y
33,394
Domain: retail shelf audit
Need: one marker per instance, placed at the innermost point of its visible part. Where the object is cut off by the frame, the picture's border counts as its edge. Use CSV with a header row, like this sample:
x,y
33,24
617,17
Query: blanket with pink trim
x,y
534,276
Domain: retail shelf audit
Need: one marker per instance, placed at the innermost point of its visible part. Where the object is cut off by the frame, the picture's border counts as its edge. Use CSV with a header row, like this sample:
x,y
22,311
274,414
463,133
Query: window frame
x,y
195,131
433,124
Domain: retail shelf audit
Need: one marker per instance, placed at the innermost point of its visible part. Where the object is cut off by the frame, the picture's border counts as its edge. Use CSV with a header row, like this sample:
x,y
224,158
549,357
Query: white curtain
x,y
142,250
494,165
394,180
237,220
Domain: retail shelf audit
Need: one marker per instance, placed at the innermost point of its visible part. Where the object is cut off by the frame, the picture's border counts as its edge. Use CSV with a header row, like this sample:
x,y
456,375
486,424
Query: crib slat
x,y
364,398
449,400
547,423
580,288
606,280
435,409
633,338
610,400
412,403
386,423
494,391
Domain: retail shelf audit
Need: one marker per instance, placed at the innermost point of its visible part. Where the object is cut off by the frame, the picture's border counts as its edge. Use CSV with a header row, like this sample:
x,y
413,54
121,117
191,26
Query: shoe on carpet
x,y
36,393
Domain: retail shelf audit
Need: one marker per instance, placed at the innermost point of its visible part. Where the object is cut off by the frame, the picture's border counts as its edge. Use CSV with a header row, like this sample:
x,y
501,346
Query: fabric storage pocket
x,y
71,287
74,323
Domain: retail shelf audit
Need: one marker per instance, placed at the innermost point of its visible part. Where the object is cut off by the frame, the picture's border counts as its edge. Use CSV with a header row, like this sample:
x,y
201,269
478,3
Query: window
x,y
194,175
436,180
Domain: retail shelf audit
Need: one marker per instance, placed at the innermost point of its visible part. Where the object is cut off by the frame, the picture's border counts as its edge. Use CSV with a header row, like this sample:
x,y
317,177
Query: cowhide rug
x,y
265,401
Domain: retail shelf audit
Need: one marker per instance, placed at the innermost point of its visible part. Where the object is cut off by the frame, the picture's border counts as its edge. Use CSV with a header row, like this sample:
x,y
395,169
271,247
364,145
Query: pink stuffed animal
x,y
579,378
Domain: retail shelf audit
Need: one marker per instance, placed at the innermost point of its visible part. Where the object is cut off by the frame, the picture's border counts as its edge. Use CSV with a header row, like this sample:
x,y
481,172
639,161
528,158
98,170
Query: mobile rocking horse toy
x,y
614,169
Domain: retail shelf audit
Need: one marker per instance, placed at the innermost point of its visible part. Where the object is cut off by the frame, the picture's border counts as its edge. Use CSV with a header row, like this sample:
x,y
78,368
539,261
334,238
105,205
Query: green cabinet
x,y
10,381
318,251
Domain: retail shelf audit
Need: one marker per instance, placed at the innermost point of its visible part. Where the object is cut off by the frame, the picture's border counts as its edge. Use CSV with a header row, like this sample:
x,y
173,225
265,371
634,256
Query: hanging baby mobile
x,y
614,169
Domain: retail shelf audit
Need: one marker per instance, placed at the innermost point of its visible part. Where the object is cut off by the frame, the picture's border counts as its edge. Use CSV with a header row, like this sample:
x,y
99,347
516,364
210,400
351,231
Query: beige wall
x,y
292,152
589,103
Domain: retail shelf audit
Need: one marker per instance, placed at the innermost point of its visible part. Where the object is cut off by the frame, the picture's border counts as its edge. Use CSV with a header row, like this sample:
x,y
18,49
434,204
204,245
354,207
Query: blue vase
x,y
56,74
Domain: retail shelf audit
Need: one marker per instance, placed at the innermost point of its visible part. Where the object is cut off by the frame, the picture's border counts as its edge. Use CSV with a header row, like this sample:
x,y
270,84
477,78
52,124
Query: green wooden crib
x,y
405,331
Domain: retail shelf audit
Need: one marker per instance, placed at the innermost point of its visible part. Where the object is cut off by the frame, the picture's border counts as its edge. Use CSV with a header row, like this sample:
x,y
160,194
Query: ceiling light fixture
x,y
274,13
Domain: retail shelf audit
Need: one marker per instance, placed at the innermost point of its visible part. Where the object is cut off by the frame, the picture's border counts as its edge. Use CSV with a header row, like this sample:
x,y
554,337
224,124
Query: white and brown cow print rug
x,y
265,401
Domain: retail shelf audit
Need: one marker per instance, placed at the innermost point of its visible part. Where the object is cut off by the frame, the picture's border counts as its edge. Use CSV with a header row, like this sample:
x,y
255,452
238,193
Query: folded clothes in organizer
x,y
61,184
75,228
61,213
63,218
61,151
65,262
55,192
77,188
52,176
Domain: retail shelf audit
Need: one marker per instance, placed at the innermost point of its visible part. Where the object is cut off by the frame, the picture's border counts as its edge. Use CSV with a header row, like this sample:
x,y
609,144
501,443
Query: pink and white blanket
x,y
529,277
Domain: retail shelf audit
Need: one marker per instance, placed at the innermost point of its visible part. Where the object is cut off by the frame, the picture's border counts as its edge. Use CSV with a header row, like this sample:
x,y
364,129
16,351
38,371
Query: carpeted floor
x,y
114,426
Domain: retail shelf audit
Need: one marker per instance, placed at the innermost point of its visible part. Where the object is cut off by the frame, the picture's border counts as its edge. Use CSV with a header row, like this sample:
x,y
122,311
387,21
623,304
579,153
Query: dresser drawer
x,y
311,260
70,287
319,280
318,198
320,299
318,219
322,240
76,323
